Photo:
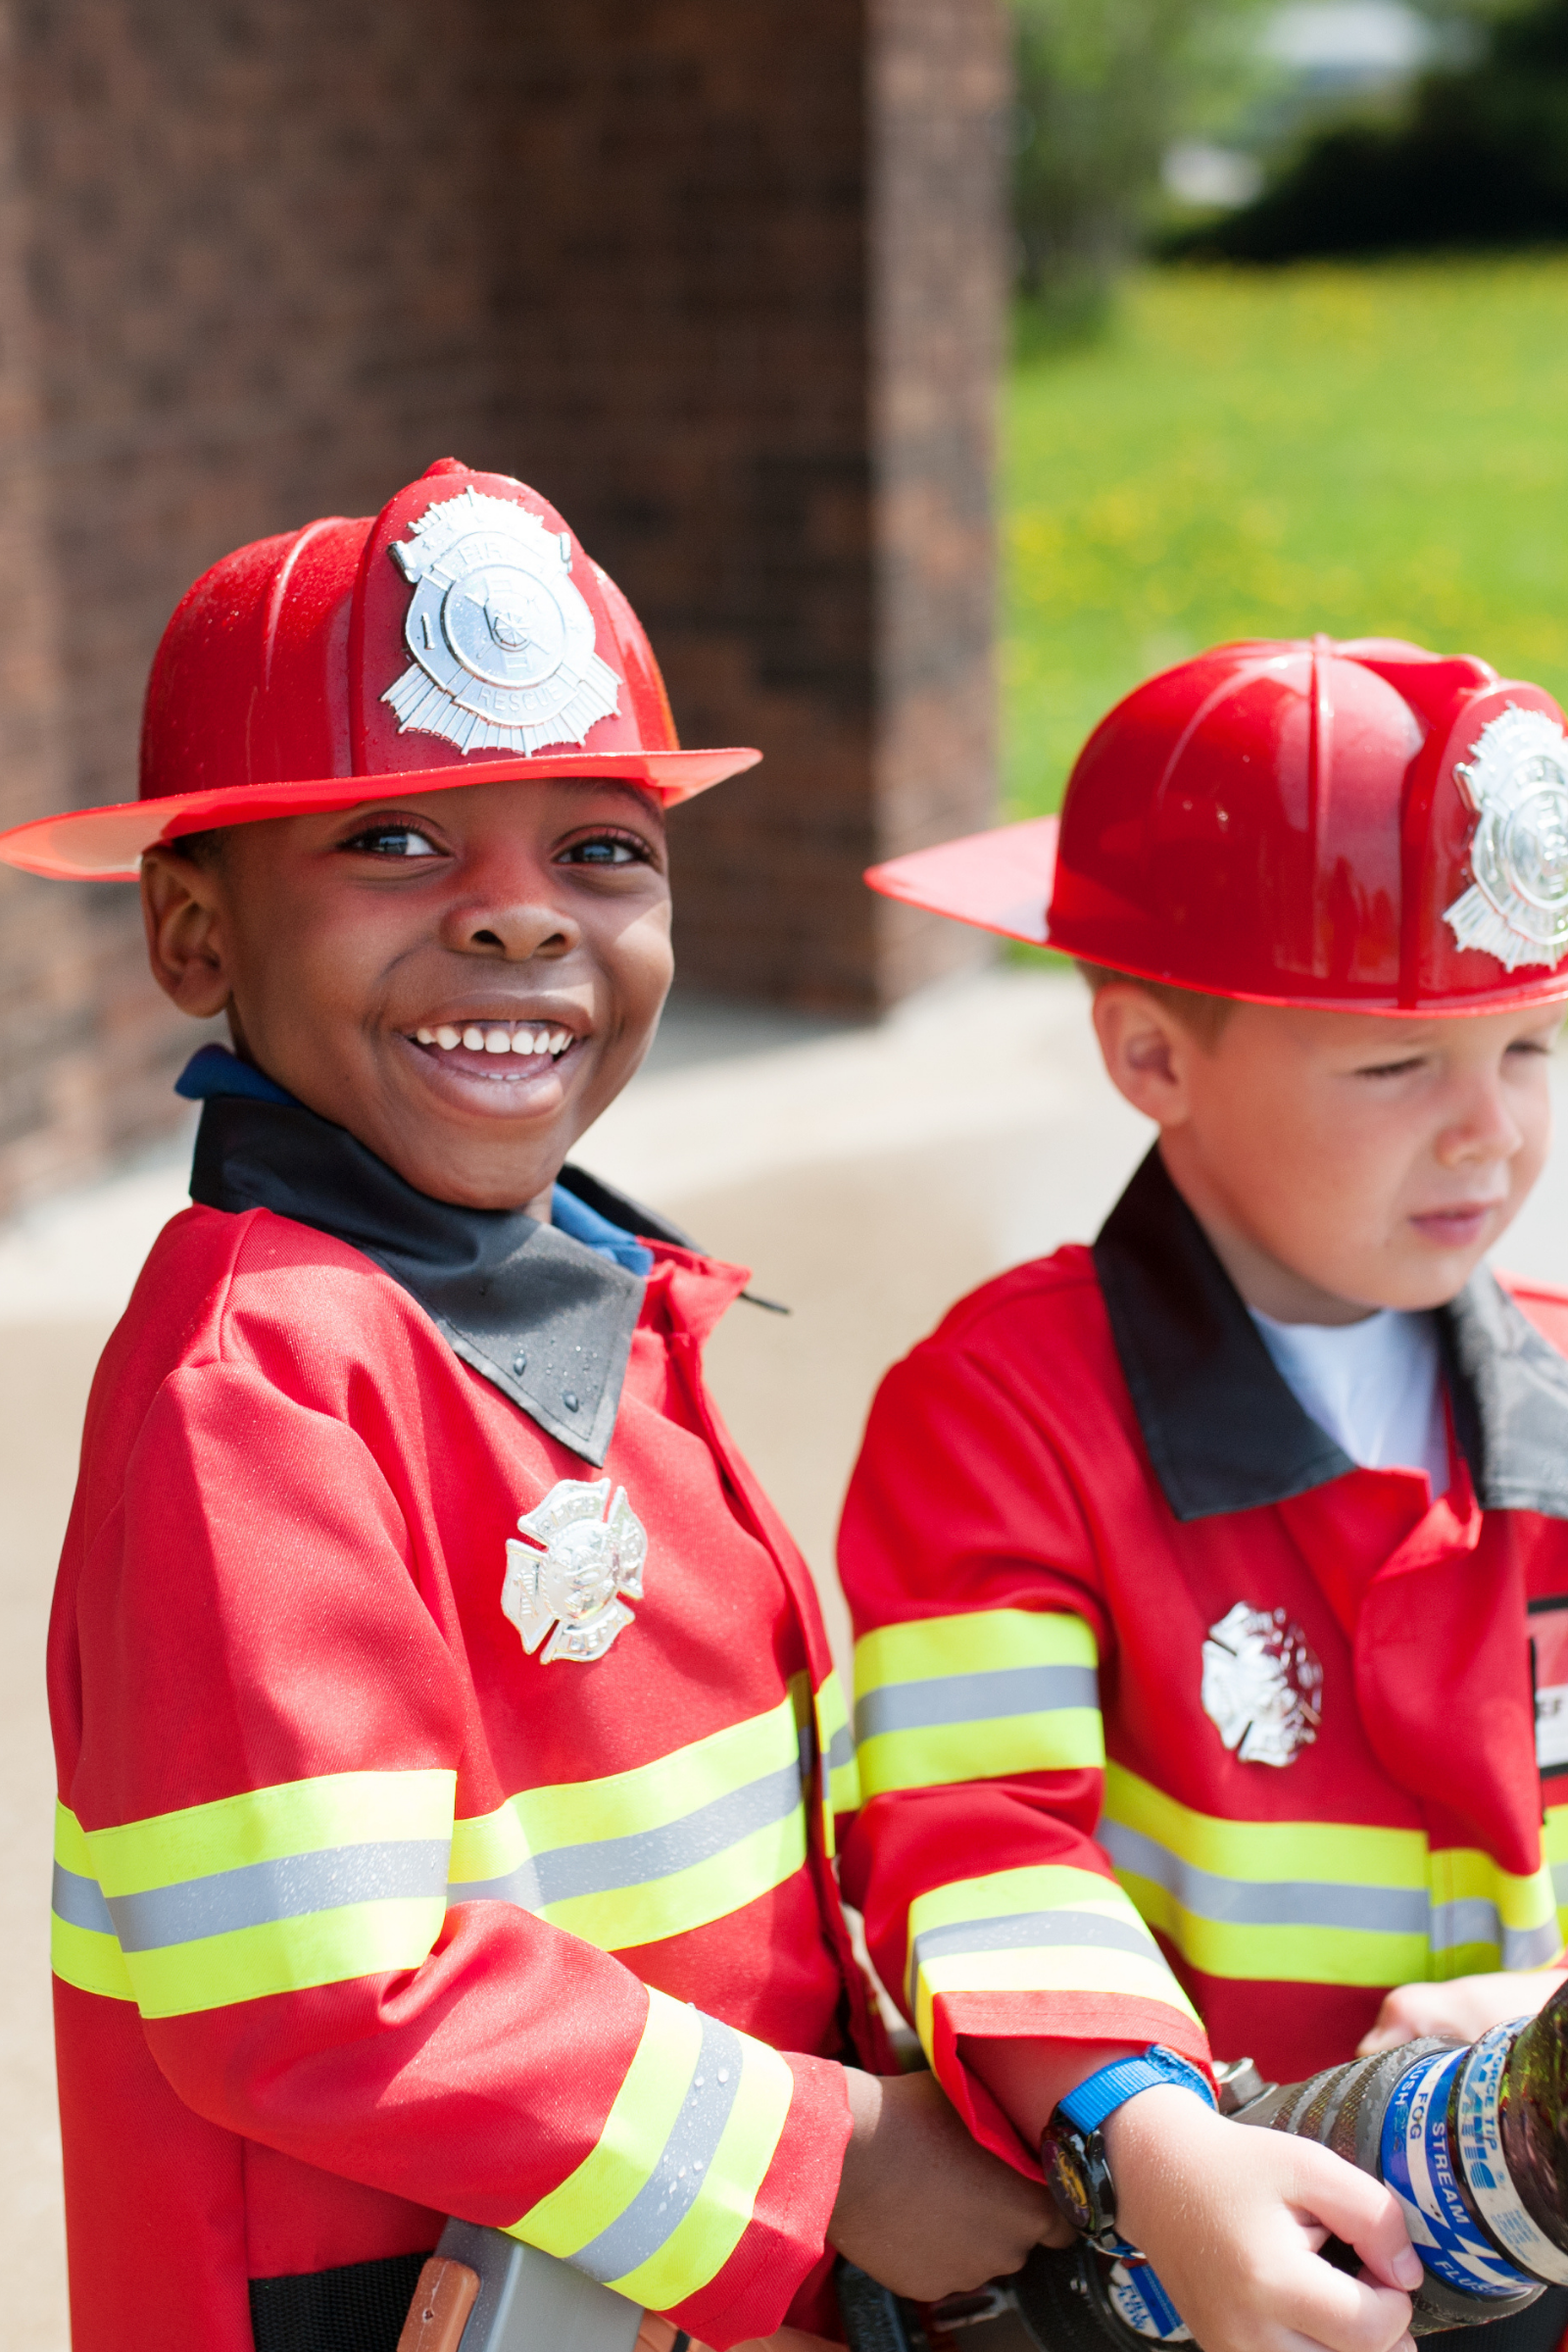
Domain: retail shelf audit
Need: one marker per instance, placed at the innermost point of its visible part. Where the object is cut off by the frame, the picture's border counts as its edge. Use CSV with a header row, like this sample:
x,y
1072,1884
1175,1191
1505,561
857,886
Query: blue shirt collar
x,y
586,1225
214,1071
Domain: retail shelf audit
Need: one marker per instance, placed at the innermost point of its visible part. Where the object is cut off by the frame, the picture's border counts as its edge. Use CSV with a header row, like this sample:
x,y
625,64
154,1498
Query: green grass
x,y
1378,450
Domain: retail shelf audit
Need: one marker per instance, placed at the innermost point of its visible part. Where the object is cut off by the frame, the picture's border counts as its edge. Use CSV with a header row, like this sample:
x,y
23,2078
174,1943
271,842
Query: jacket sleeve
x,y
254,1851
971,1567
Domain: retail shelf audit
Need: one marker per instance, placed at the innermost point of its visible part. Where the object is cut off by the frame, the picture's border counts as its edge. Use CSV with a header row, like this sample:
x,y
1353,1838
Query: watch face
x,y
1068,2179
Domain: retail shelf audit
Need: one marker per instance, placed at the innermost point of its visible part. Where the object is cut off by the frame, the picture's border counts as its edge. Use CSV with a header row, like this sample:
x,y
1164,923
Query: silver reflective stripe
x,y
609,1863
1473,1919
391,1869
974,1697
1468,1919
1026,1930
672,2188
841,1748
1268,1903
1531,1947
79,1902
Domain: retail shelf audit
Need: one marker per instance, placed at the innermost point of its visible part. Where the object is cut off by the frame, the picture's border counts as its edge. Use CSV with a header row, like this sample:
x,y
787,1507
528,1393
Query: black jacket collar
x,y
1223,1428
545,1318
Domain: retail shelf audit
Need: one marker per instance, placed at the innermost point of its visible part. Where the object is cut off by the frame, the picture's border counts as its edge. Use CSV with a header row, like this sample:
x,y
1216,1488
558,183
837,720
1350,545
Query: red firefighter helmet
x,y
1363,826
461,636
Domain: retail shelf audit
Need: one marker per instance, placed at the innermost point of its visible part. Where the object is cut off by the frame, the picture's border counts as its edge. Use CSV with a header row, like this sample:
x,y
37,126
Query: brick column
x,y
938,89
751,298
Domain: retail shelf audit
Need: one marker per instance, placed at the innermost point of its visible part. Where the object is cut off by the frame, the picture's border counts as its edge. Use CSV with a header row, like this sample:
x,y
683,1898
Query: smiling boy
x,y
444,1720
1201,1577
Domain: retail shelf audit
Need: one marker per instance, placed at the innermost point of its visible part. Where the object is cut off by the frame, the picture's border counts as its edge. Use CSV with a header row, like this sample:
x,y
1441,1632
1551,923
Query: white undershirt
x,y
1376,1387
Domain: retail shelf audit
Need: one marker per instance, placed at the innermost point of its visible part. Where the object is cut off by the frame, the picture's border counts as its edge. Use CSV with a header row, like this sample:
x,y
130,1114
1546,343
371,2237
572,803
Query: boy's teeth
x,y
497,1040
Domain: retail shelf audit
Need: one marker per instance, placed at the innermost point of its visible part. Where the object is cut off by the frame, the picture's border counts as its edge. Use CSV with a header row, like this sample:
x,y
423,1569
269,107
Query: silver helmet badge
x,y
501,639
1516,780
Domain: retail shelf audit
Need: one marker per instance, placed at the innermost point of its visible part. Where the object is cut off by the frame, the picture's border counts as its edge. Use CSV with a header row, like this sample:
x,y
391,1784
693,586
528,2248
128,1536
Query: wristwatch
x,y
1072,2151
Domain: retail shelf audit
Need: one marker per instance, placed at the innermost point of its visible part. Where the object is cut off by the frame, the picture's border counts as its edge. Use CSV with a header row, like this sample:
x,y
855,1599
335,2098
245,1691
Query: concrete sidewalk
x,y
868,1176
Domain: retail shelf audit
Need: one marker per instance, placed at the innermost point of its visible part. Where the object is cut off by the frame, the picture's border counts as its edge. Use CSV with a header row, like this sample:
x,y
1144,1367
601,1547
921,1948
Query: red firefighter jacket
x,y
441,1783
1175,1725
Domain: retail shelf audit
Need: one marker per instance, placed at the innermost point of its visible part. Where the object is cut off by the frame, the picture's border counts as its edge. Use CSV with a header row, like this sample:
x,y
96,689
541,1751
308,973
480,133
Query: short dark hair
x,y
205,849
1202,1015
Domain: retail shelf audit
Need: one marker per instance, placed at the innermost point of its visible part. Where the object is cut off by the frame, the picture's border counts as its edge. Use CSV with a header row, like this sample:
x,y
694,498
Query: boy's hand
x,y
921,2205
1232,2218
1465,2008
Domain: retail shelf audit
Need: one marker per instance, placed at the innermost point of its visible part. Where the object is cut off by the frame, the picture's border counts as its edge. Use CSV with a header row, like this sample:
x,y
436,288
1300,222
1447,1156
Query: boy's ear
x,y
181,904
1146,1051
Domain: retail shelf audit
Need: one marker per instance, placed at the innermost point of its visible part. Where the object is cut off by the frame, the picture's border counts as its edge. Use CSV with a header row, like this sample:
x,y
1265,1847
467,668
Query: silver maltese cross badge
x,y
502,642
575,1567
1262,1686
1516,780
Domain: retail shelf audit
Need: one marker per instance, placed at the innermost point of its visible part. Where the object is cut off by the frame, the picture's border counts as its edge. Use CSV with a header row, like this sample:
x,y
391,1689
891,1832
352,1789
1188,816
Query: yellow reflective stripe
x,y
622,1803
623,1917
975,1696
1319,1902
83,1949
651,2093
1554,1842
975,1641
272,1891
71,1843
350,1874
1484,1917
698,2249
1043,1886
289,1955
1554,1856
1463,1874
1289,1954
1047,1929
655,1851
271,1825
841,1772
91,1962
661,2203
1348,1853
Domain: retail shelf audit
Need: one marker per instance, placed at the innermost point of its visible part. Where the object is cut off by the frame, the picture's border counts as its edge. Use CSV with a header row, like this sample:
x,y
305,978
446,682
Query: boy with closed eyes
x,y
1201,1578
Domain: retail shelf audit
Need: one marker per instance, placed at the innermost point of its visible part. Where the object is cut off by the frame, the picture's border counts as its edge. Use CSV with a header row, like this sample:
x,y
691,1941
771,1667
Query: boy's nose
x,y
1484,1129
514,925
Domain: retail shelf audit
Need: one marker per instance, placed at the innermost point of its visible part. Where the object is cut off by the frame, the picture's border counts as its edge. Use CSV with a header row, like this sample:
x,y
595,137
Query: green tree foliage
x,y
1105,86
1480,159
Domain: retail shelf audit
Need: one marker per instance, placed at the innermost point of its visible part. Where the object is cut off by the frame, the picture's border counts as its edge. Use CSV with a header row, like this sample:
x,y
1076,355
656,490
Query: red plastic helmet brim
x,y
106,845
1001,881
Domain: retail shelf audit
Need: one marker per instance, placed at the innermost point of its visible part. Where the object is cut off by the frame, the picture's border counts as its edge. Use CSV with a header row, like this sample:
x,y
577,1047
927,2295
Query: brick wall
x,y
721,278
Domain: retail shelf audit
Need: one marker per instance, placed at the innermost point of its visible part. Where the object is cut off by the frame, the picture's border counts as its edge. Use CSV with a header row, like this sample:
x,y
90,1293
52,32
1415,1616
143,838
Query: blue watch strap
x,y
1110,2087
